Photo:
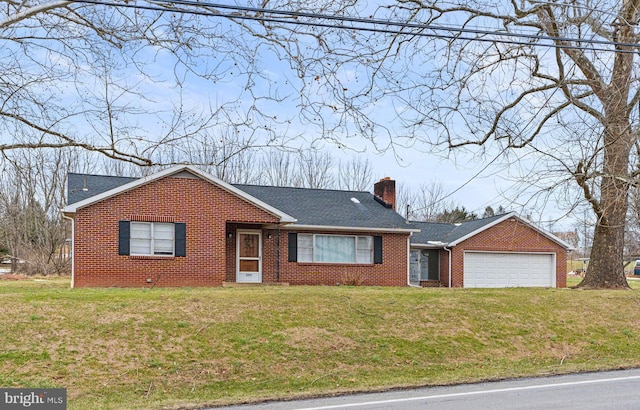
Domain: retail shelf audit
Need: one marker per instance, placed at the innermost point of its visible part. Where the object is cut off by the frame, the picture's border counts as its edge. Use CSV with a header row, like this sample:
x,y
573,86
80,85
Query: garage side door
x,y
506,269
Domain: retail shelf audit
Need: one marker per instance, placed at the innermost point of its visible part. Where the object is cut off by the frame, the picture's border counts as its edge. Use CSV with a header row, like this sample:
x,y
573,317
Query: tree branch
x,y
32,11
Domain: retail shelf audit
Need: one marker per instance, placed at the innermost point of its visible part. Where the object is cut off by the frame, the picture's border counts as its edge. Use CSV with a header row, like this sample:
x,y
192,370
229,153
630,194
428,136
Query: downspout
x,y
73,245
449,250
278,254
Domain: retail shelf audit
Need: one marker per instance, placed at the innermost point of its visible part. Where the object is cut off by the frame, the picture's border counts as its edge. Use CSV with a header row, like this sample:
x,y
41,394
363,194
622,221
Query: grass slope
x,y
170,348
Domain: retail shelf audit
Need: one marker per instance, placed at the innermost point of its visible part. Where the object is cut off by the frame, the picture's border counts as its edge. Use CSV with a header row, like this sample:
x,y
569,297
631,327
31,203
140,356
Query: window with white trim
x,y
152,238
335,248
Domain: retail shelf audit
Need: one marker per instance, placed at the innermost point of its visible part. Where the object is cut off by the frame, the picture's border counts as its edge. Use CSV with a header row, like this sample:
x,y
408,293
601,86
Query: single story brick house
x,y
184,227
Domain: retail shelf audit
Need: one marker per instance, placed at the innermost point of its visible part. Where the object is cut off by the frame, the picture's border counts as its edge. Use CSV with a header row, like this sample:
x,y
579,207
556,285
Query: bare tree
x,y
426,203
632,235
122,81
513,80
32,186
355,174
533,96
228,154
310,168
314,169
278,168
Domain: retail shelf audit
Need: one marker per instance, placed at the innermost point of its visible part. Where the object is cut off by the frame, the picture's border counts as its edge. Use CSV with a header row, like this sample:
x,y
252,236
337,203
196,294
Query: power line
x,y
370,25
387,22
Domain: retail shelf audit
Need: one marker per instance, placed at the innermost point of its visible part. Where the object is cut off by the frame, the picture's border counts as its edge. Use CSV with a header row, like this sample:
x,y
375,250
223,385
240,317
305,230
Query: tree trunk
x,y
606,264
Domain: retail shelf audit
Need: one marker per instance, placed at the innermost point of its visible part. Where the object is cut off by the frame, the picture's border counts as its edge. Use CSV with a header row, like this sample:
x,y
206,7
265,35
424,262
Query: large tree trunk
x,y
606,265
605,269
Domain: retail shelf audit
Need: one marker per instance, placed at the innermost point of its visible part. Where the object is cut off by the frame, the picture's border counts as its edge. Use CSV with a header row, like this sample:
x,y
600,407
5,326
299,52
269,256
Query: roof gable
x,y
107,187
446,234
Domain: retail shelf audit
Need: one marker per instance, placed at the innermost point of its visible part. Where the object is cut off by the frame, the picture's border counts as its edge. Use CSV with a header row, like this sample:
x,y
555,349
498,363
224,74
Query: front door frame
x,y
249,277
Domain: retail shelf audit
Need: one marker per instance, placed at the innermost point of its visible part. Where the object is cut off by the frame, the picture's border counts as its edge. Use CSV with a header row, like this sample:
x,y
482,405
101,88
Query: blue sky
x,y
471,181
412,165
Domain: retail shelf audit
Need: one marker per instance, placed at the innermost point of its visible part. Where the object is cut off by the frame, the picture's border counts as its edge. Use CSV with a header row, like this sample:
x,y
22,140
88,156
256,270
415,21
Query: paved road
x,y
587,391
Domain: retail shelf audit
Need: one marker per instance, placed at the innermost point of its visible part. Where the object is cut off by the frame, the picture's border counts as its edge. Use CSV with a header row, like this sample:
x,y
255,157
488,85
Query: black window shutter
x,y
377,249
124,235
181,239
293,247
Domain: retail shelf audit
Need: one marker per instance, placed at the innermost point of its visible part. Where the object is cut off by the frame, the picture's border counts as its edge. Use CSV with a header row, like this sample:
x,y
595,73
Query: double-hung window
x,y
335,248
152,238
139,238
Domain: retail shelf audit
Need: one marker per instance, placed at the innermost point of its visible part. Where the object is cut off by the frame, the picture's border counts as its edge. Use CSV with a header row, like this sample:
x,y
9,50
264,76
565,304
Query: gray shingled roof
x,y
431,232
447,232
83,186
318,207
323,207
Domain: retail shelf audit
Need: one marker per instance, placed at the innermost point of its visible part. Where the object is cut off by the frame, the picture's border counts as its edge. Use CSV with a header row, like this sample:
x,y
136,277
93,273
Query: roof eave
x,y
484,228
348,228
431,245
509,215
73,208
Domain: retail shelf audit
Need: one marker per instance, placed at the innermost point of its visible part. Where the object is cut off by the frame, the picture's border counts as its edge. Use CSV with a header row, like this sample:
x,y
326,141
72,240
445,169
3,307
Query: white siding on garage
x,y
506,269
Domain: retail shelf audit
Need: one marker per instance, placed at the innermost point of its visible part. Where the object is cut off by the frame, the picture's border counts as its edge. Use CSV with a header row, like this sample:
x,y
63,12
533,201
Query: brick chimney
x,y
385,189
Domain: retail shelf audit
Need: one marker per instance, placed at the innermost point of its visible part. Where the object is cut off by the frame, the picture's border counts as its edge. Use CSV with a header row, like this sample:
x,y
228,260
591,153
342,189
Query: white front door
x,y
249,257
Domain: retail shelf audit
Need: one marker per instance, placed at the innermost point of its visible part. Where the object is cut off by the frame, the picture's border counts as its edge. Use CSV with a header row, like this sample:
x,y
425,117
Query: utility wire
x,y
468,181
388,22
456,31
495,36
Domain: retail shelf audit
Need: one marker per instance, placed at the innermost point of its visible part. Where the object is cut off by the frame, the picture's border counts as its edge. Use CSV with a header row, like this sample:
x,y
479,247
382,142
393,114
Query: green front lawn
x,y
163,348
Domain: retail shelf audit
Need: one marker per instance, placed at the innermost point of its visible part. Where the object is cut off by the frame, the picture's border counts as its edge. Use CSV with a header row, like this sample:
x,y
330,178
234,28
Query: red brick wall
x,y
212,217
204,207
444,268
511,235
391,272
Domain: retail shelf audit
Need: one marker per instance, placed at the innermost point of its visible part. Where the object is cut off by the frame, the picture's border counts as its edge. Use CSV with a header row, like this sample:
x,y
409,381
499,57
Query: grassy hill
x,y
164,348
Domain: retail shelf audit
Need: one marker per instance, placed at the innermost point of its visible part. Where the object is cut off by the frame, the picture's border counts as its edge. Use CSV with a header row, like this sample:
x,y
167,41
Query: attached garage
x,y
509,269
495,252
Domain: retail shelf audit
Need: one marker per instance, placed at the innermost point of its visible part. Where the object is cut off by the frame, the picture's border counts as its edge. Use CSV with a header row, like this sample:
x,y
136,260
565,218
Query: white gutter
x,y
73,245
428,246
449,250
300,227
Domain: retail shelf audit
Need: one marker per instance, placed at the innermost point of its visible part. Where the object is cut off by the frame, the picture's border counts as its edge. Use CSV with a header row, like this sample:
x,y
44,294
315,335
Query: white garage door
x,y
503,270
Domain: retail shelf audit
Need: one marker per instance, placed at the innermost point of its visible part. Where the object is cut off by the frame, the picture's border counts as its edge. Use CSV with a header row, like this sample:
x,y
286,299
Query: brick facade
x,y
212,217
276,267
391,272
510,235
204,207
